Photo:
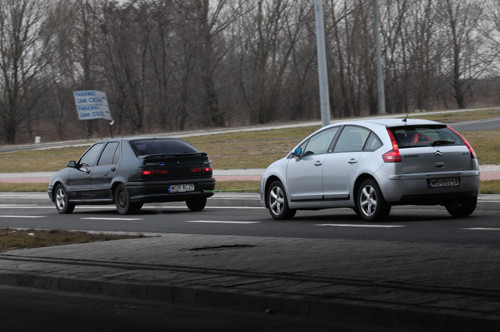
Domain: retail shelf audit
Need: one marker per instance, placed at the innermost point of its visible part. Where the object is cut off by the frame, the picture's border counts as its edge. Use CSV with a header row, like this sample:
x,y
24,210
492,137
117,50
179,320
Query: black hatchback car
x,y
132,171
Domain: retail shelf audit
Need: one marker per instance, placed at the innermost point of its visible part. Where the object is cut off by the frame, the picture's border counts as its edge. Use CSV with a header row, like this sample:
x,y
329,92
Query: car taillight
x,y
392,156
471,150
201,170
154,172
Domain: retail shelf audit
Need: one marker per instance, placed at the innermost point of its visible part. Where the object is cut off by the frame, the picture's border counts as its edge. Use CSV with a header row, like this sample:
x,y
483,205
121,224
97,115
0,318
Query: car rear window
x,y
430,135
161,146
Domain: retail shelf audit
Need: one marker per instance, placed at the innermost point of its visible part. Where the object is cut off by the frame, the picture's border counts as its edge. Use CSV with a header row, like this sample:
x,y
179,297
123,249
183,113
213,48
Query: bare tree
x,y
463,62
25,51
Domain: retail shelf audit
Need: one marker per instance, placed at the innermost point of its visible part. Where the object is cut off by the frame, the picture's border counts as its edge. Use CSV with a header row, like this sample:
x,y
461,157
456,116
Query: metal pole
x,y
380,80
322,68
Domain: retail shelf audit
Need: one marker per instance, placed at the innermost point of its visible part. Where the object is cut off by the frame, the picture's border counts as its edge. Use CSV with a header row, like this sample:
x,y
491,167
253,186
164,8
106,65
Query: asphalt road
x,y
405,224
477,125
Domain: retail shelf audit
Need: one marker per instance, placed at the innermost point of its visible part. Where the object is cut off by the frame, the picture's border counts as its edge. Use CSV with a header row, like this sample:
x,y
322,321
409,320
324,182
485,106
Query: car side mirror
x,y
298,152
71,164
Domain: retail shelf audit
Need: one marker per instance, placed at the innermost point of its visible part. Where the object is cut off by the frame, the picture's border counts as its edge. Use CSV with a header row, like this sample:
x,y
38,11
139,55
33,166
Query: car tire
x,y
277,202
370,203
136,206
61,200
463,207
196,204
122,200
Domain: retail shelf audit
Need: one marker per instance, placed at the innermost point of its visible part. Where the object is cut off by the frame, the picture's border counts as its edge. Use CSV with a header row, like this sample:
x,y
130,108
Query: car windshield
x,y
429,135
161,146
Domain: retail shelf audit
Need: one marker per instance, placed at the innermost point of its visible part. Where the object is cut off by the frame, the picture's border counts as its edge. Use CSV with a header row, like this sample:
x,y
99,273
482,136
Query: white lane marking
x,y
223,222
481,229
104,207
108,218
356,225
15,216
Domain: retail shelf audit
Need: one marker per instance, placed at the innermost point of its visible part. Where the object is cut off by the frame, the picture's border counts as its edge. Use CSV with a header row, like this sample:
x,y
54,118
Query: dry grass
x,y
486,144
13,239
237,186
490,187
23,187
39,160
253,149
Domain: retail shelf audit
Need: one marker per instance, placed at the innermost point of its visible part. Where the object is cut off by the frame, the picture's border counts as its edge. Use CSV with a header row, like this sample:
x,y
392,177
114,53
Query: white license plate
x,y
180,188
444,182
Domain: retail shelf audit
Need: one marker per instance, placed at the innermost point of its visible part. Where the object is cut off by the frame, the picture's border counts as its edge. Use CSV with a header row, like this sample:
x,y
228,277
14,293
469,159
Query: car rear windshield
x,y
429,135
161,146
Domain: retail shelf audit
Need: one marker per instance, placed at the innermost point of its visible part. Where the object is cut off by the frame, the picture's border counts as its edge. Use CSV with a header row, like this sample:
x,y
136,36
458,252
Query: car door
x,y
104,171
304,172
79,178
341,165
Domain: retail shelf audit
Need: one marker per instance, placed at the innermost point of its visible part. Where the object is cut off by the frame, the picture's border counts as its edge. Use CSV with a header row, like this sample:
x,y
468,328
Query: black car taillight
x,y
154,172
201,170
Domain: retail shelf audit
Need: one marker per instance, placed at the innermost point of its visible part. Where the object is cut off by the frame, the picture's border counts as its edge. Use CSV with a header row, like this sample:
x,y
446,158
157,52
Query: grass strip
x,y
14,239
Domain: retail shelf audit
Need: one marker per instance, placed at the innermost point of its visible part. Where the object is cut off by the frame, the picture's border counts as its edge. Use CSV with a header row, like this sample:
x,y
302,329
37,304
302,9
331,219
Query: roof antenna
x,y
406,117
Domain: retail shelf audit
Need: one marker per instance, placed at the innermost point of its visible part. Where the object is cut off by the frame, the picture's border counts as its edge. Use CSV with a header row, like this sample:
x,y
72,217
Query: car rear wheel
x,y
370,204
61,200
122,201
462,208
196,204
278,203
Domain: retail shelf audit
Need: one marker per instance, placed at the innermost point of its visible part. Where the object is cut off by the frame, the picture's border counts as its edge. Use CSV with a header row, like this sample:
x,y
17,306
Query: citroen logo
x,y
438,153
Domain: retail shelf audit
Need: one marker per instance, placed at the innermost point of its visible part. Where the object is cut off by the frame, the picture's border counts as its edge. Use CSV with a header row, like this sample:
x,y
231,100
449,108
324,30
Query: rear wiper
x,y
436,143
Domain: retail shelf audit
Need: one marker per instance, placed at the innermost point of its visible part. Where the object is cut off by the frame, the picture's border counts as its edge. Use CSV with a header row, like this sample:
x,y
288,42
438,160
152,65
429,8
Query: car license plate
x,y
180,188
443,182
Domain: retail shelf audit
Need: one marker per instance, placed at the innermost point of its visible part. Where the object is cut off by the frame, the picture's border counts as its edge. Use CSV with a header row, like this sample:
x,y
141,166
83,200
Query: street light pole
x,y
380,80
322,68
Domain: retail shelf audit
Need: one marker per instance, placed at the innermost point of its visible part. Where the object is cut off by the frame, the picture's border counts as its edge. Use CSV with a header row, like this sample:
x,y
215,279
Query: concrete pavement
x,y
386,285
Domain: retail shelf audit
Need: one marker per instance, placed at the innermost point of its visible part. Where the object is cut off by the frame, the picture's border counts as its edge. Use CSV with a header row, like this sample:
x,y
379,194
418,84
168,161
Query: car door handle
x,y
113,169
318,163
352,161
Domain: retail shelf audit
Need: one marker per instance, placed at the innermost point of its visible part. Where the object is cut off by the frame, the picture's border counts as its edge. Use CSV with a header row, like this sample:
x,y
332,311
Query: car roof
x,y
129,139
389,122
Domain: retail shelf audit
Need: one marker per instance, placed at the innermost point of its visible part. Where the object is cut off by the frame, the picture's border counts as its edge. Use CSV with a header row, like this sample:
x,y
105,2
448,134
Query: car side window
x,y
89,158
373,142
320,142
108,155
352,139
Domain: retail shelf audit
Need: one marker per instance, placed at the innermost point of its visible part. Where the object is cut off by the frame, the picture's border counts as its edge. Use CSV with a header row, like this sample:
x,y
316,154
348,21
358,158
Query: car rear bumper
x,y
158,191
415,189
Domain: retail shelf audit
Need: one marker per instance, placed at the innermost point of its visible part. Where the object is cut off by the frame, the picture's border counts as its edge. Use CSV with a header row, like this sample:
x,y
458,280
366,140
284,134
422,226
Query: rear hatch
x,y
170,158
175,166
432,148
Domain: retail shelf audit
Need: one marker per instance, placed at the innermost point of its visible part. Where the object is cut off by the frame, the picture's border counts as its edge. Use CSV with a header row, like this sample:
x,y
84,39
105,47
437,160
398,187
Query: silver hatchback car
x,y
370,165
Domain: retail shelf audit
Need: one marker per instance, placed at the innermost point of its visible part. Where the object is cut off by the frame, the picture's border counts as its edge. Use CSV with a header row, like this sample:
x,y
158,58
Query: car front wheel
x,y
462,208
61,200
278,203
370,204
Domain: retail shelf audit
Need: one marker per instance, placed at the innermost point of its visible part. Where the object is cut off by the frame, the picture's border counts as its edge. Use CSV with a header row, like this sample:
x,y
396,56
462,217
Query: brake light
x,y
392,156
154,172
471,150
203,170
